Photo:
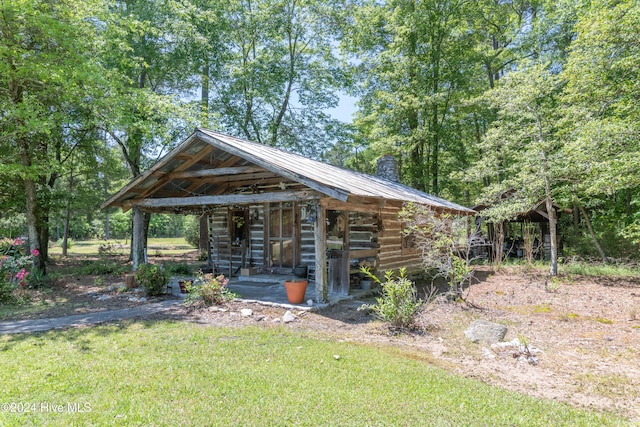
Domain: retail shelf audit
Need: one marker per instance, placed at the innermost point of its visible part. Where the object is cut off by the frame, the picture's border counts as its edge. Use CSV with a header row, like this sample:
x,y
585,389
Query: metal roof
x,y
191,170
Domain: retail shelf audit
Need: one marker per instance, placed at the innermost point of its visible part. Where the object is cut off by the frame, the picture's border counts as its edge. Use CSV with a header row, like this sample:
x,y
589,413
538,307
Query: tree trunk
x,y
31,204
553,220
65,237
593,235
203,242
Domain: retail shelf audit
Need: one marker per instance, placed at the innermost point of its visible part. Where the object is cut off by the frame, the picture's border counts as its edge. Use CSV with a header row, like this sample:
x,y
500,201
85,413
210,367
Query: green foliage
x,y
192,231
153,278
6,292
399,304
101,267
179,268
37,279
210,289
440,239
70,242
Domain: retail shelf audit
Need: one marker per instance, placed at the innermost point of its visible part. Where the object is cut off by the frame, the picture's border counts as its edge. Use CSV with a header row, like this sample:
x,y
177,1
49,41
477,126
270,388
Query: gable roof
x,y
209,163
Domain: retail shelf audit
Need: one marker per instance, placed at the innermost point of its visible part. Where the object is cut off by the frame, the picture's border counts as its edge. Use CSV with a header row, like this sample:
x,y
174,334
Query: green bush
x,y
209,289
6,292
179,269
153,278
192,231
70,242
399,303
102,267
37,279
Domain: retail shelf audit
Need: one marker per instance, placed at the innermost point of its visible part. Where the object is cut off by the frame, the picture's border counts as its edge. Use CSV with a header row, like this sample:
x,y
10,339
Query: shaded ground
x,y
588,330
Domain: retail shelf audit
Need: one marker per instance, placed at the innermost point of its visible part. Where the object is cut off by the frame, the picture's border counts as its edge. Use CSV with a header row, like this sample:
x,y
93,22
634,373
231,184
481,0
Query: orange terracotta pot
x,y
295,291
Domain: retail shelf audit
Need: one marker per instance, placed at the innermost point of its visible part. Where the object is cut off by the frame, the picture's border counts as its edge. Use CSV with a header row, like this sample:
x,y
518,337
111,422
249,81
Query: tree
x,y
275,73
522,148
602,116
47,69
415,74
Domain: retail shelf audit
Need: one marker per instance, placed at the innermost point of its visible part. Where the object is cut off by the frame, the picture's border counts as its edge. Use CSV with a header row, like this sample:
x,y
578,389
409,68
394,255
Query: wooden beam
x,y
362,205
137,238
320,237
283,196
205,173
185,165
238,180
324,189
544,214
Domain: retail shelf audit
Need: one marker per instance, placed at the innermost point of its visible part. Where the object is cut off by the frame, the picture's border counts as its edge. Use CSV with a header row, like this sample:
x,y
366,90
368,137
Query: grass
x,y
174,373
156,247
603,270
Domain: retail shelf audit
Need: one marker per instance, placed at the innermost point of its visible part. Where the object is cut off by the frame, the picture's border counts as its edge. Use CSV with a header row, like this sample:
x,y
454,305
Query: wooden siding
x,y
391,255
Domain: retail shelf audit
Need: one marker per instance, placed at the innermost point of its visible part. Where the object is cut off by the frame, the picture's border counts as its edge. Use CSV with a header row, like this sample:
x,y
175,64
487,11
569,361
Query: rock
x,y
288,317
246,312
310,302
103,297
488,354
259,318
143,299
276,320
486,332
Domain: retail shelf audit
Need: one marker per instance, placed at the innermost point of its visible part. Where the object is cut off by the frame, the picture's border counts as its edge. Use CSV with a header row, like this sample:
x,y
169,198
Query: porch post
x,y
137,238
320,238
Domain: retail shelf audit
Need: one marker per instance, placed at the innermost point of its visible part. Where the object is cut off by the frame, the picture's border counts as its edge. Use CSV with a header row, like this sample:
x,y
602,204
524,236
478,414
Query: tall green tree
x,y
522,148
415,70
602,115
276,71
47,69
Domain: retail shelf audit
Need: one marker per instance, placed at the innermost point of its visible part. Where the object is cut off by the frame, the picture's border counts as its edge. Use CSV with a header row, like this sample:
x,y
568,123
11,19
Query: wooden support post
x,y
137,238
320,238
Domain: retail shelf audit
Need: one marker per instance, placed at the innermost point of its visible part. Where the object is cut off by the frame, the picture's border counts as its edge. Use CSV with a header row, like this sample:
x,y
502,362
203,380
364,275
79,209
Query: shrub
x,y
6,292
70,242
179,269
399,303
153,278
210,289
37,280
192,231
102,267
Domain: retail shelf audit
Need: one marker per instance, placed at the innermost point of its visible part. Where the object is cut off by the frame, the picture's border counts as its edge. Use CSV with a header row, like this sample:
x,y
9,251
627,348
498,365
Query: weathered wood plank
x,y
204,173
319,235
171,202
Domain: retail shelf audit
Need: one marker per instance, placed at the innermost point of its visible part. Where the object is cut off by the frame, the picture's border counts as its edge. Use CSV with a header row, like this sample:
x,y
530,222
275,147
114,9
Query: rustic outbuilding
x,y
271,211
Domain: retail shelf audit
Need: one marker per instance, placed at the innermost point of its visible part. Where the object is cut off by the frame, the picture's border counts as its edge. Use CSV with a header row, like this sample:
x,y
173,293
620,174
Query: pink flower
x,y
35,252
18,242
22,274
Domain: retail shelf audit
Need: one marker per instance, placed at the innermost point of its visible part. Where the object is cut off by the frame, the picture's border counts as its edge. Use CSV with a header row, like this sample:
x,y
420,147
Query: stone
x,y
289,317
310,302
260,318
276,320
246,312
485,332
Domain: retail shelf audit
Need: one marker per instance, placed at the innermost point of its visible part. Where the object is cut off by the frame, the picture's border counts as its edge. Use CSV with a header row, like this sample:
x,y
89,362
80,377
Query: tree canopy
x,y
474,98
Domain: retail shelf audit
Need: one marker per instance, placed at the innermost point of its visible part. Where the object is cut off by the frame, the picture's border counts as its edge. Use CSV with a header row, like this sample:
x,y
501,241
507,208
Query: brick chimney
x,y
388,168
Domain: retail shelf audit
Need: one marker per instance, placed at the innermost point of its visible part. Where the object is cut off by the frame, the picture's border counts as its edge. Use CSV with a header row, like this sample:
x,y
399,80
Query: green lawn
x,y
180,374
156,246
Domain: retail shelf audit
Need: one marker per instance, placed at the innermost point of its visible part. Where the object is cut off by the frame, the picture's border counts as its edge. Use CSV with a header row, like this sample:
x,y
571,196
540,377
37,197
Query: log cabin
x,y
272,211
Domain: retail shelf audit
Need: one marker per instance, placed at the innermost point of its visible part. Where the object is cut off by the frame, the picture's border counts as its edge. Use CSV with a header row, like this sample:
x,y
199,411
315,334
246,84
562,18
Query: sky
x,y
345,109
